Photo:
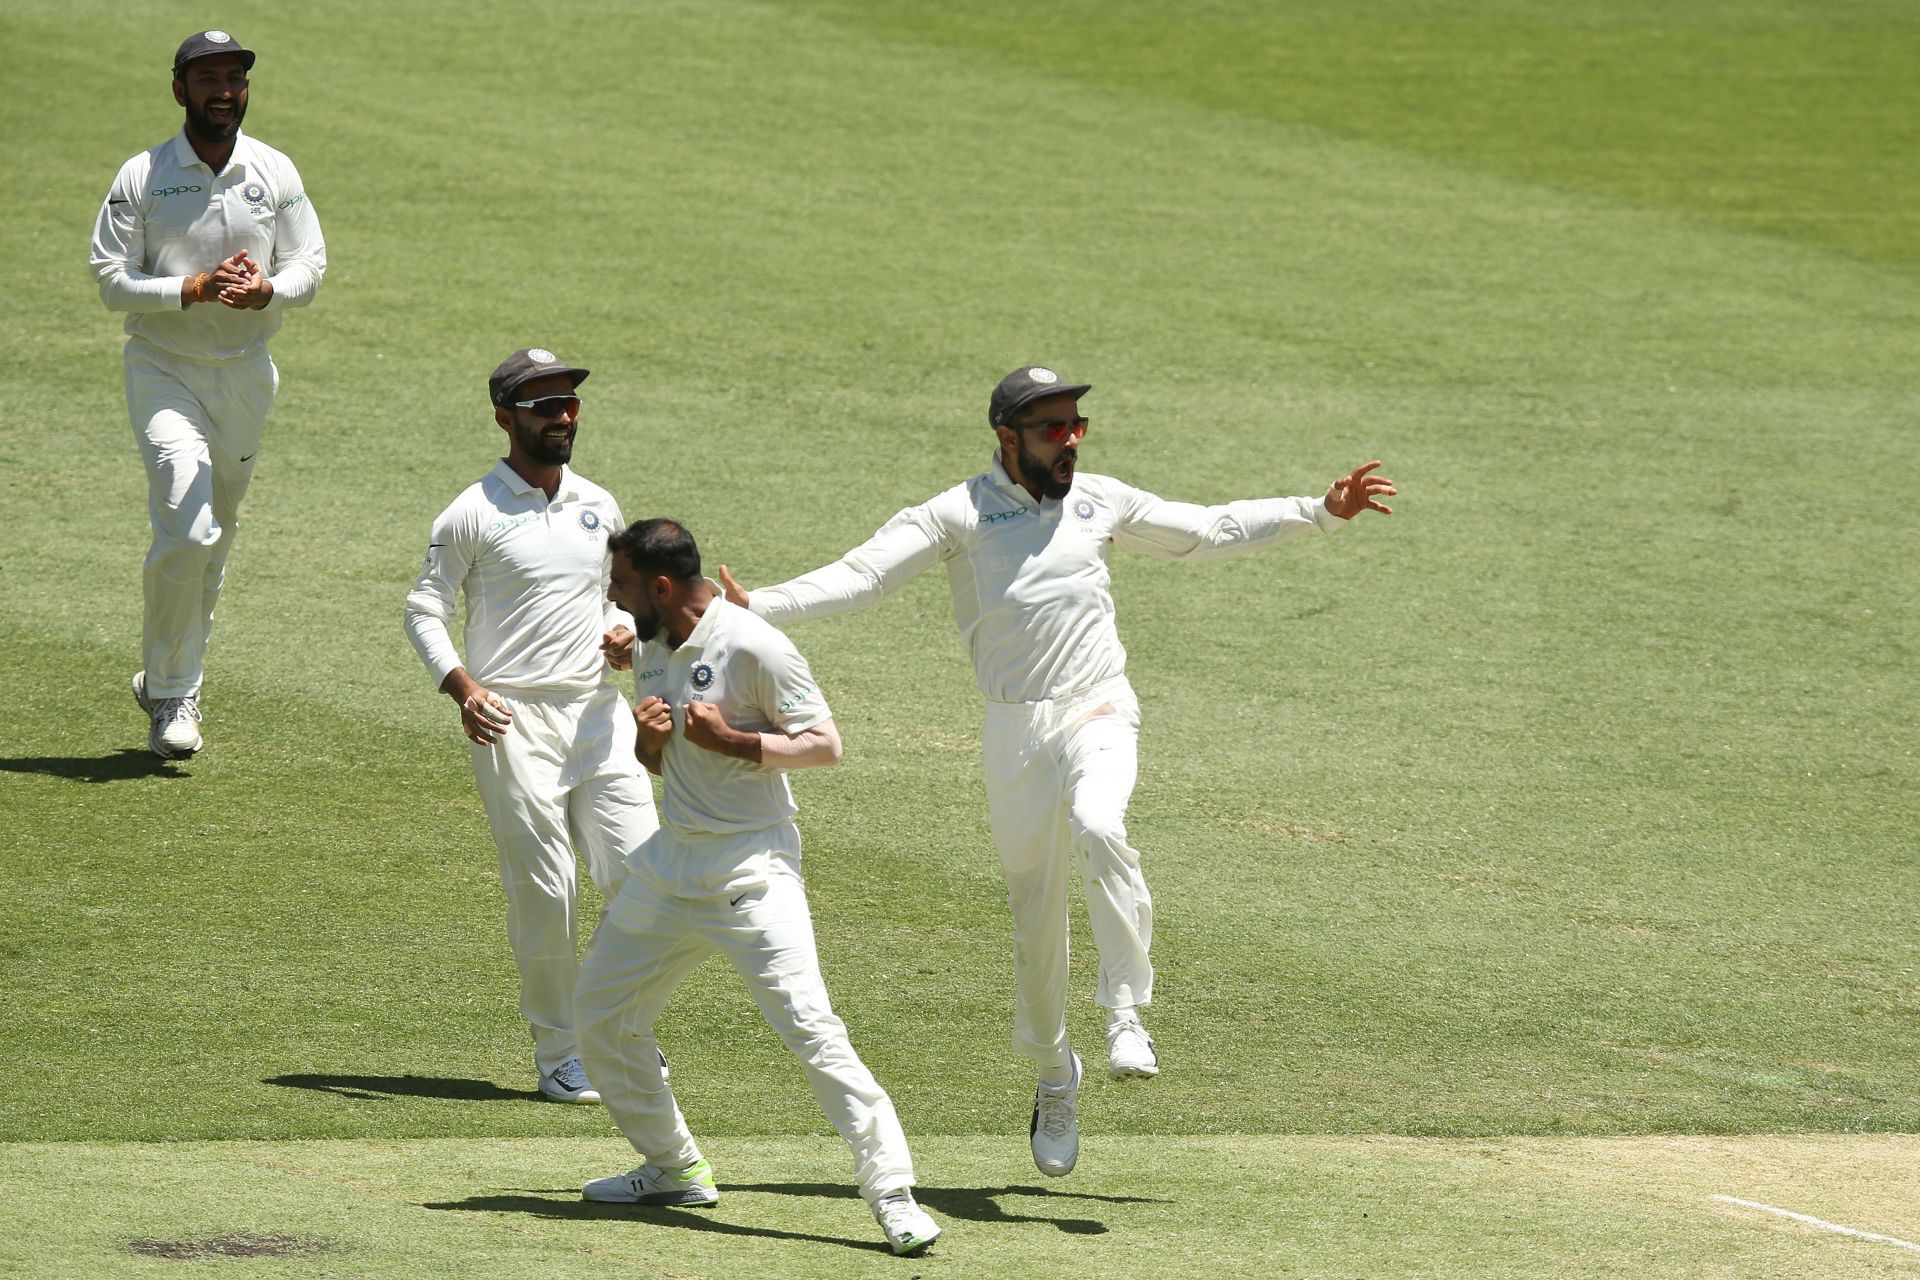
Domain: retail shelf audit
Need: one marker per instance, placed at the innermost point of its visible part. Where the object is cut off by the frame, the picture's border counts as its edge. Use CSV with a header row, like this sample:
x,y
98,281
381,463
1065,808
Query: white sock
x,y
1058,1077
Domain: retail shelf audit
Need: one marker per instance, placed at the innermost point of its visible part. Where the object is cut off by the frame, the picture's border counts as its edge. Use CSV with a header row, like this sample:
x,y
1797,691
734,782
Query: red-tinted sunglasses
x,y
1058,429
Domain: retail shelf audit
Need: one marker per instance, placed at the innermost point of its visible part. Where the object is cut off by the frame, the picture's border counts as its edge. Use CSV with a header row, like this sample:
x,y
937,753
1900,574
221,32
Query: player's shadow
x,y
540,1205
971,1204
117,766
382,1088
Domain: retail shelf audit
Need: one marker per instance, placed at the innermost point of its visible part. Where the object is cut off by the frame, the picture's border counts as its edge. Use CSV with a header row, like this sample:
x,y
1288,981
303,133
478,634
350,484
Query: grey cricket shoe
x,y
1055,1131
908,1227
568,1083
1130,1054
173,731
650,1184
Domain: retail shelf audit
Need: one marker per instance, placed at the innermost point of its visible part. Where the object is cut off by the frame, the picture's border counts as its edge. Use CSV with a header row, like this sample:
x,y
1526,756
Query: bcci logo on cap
x,y
216,37
702,677
540,355
1042,375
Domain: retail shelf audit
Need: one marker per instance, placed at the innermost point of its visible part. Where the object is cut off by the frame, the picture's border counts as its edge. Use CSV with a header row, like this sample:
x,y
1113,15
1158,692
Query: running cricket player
x,y
205,241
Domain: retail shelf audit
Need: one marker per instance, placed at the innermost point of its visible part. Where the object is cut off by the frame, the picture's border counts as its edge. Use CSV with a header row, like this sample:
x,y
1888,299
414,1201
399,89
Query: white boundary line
x,y
1822,1223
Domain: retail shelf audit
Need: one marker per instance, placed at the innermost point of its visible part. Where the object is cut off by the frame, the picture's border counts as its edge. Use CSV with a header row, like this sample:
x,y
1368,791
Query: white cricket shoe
x,y
174,728
1130,1054
690,1187
1055,1129
909,1229
568,1083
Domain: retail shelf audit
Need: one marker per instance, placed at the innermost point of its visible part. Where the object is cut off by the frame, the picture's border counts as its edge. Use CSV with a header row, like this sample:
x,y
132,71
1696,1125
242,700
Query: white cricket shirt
x,y
168,216
535,576
1029,579
753,674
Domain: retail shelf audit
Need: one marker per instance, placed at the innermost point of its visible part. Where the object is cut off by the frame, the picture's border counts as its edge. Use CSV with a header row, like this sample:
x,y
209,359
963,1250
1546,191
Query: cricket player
x,y
552,737
205,240
726,706
1025,544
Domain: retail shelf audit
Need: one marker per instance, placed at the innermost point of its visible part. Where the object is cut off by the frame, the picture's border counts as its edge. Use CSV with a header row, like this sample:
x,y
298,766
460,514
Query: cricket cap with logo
x,y
1023,386
524,366
204,44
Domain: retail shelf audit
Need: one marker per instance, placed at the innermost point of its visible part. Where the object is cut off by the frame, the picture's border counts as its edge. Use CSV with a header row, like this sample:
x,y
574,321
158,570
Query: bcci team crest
x,y
1083,509
590,521
1042,375
216,37
540,355
702,677
254,194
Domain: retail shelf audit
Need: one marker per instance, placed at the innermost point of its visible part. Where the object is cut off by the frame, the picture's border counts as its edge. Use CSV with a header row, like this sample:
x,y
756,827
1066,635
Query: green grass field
x,y
1530,867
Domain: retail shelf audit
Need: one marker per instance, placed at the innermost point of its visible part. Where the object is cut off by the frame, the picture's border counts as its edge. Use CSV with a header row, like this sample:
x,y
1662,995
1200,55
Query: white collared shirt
x,y
1029,579
534,573
169,217
760,683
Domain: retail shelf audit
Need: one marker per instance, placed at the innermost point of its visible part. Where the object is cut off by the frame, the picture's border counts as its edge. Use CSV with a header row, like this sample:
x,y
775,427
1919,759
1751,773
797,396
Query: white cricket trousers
x,y
198,425
562,777
1059,774
654,936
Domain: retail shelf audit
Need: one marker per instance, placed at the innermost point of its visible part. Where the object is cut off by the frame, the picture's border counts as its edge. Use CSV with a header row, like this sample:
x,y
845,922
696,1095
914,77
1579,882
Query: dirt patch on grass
x,y
238,1244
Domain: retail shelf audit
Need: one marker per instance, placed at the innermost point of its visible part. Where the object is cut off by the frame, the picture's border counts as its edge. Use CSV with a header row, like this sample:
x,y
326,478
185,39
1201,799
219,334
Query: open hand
x,y
736,594
1355,492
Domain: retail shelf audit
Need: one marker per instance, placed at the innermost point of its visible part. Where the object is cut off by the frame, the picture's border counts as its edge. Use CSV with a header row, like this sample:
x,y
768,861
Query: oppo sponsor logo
x,y
177,191
990,517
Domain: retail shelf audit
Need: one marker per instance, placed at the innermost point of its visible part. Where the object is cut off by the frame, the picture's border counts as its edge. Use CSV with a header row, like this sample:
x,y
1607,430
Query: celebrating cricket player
x,y
726,706
1025,544
552,738
205,240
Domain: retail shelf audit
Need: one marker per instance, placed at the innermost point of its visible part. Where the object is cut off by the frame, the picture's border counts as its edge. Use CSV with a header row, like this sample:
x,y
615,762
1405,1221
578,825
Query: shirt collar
x,y
525,487
185,156
997,472
703,630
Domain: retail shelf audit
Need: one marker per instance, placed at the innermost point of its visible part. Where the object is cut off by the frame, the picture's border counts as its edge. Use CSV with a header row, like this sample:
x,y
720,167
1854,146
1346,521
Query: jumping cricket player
x,y
1025,545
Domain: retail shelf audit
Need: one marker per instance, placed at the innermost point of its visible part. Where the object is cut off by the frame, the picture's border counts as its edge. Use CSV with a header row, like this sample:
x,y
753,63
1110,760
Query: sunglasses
x,y
1058,429
549,407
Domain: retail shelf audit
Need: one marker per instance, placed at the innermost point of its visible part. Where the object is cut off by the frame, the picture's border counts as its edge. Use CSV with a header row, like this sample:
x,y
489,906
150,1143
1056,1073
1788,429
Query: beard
x,y
1043,476
203,127
647,625
538,446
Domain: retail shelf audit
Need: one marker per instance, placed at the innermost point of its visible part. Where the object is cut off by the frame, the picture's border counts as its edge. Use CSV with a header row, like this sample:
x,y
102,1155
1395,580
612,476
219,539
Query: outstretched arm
x,y
905,547
1188,531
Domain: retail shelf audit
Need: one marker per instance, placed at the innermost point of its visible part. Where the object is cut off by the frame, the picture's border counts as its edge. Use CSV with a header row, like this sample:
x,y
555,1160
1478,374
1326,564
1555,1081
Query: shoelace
x,y
1115,1034
896,1212
167,710
1056,1114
